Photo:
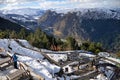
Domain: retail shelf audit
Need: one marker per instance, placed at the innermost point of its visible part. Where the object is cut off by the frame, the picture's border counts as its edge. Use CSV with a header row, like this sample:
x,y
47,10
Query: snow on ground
x,y
62,55
57,57
25,43
45,50
87,55
4,43
36,66
35,60
114,59
43,67
50,67
24,51
101,77
107,61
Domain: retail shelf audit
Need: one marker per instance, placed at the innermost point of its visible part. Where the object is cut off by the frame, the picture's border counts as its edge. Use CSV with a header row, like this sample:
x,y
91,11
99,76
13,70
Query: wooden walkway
x,y
16,75
6,68
5,60
89,75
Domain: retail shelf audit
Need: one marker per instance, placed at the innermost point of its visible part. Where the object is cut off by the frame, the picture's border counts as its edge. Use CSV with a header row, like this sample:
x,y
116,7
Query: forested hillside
x,y
6,24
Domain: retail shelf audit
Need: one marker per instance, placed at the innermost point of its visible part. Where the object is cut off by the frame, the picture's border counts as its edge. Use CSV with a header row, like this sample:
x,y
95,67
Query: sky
x,y
58,4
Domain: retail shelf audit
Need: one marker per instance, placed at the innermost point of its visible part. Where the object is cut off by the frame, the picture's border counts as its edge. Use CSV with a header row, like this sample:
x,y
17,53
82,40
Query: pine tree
x,y
13,35
22,34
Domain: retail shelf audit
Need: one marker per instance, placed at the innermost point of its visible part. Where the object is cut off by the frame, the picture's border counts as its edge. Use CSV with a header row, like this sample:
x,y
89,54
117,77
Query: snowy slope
x,y
36,66
25,43
43,67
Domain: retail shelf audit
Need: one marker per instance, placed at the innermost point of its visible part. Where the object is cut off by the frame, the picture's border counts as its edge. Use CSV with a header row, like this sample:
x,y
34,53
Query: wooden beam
x,y
17,74
5,60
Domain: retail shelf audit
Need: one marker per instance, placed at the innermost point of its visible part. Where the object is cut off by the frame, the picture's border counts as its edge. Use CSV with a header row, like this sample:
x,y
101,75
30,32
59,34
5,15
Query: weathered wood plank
x,y
5,60
17,74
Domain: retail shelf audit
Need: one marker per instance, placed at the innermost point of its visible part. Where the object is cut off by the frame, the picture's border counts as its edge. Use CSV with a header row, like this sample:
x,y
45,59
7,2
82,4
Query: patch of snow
x,y
32,58
24,51
50,67
25,43
103,54
101,77
61,15
12,71
87,55
36,66
46,51
107,61
57,57
114,59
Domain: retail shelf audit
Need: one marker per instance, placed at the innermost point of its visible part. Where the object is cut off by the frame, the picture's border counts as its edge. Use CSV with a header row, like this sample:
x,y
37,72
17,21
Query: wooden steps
x,y
15,75
5,63
5,60
6,67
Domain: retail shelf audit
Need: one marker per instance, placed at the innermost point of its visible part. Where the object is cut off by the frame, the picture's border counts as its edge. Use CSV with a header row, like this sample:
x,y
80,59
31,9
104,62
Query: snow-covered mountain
x,y
25,20
92,12
26,16
24,11
83,24
7,24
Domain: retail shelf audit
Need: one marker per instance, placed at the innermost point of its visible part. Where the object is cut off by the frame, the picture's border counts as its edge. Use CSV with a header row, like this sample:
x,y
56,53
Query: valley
x,y
60,44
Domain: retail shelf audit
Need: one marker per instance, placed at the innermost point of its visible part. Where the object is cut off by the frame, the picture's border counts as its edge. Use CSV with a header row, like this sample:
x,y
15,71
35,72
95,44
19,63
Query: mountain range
x,y
26,17
99,25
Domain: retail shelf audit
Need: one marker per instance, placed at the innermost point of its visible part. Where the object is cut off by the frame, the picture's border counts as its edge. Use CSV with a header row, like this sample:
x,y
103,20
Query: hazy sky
x,y
58,4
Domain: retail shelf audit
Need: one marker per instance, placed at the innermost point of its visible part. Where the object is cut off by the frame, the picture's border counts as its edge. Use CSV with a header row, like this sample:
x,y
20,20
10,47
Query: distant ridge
x,y
8,25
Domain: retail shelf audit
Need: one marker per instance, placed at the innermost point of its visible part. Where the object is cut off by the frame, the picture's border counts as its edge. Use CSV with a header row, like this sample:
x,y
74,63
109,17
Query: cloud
x,y
47,4
81,4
